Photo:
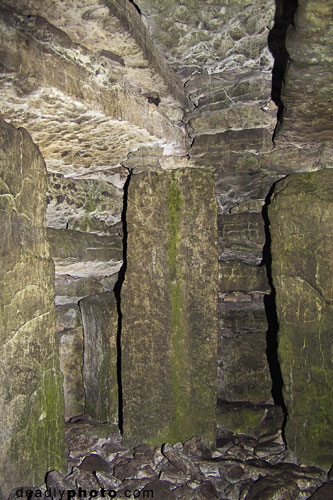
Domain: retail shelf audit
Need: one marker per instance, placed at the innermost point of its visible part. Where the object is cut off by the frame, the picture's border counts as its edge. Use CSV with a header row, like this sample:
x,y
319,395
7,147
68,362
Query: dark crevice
x,y
284,15
117,292
272,318
84,333
136,6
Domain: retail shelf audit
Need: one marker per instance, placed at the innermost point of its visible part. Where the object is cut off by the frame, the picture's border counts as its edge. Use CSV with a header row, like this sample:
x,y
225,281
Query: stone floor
x,y
241,468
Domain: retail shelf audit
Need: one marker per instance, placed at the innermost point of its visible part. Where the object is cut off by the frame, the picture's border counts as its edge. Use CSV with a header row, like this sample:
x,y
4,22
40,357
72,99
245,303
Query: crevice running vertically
x,y
117,292
272,318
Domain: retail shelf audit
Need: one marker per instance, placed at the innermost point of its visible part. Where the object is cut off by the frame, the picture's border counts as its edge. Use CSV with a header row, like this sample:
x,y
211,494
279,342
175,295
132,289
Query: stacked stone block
x,y
244,382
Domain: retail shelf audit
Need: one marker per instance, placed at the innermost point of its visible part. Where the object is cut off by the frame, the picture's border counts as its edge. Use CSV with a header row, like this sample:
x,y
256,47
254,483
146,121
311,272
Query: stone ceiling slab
x,y
211,36
73,138
122,85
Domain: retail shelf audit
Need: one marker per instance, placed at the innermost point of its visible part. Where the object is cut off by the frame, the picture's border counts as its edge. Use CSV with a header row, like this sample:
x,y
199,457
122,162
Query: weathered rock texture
x,y
32,439
244,381
241,468
81,254
307,92
86,205
169,317
71,365
110,87
100,380
302,267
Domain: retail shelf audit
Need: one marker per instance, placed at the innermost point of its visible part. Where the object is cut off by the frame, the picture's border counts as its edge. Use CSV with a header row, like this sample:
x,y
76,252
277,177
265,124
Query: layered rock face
x,y
169,314
32,432
302,261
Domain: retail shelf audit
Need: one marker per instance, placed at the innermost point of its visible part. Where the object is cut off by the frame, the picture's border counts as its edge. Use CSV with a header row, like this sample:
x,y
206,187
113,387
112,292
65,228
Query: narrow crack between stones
x,y
272,319
284,16
84,333
188,94
117,292
136,6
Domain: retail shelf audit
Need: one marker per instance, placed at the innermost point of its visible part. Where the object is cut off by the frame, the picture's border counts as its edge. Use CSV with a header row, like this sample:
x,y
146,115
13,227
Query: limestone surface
x,y
302,264
169,317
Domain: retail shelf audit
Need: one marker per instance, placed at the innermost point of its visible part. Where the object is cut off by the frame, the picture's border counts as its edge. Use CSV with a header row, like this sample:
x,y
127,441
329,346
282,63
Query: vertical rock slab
x,y
100,380
71,366
31,398
301,228
169,308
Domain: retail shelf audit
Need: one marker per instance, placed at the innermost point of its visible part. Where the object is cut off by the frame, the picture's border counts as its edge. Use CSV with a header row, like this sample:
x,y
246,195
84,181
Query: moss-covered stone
x,y
169,297
31,435
79,246
250,419
301,231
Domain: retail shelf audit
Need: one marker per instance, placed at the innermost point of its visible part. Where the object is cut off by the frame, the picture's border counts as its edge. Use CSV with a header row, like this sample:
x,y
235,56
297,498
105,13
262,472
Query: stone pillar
x,y
31,398
169,308
71,365
301,226
100,327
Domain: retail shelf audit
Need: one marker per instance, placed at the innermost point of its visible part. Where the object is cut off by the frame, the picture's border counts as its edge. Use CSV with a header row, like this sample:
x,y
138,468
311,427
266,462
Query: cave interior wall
x,y
114,89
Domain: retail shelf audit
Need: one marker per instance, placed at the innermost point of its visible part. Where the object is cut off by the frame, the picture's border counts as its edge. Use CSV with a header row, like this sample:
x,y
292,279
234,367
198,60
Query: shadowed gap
x,y
284,15
117,292
272,319
136,6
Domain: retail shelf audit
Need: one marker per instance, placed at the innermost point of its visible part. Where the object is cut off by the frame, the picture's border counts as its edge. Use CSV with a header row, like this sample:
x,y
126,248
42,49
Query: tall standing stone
x,y
301,226
100,379
31,399
169,308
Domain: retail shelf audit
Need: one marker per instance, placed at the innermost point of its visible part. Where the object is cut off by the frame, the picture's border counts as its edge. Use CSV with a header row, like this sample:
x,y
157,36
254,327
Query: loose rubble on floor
x,y
241,468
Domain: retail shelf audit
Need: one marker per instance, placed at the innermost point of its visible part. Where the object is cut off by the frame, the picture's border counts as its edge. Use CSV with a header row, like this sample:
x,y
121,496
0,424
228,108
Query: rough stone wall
x,y
306,94
302,267
169,315
128,80
91,76
32,439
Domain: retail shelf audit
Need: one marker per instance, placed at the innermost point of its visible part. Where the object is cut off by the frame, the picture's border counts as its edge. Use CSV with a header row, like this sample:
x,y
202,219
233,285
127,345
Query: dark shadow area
x,y
271,315
136,6
117,292
284,15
